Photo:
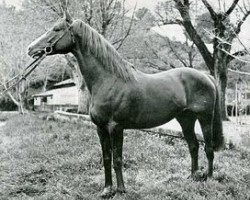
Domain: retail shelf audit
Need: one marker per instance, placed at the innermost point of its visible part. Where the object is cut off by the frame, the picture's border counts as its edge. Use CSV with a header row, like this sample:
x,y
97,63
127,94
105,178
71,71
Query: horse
x,y
122,97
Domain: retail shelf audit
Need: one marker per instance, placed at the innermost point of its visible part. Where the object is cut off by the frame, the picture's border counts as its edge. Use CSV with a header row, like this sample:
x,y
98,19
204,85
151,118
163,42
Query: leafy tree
x,y
12,47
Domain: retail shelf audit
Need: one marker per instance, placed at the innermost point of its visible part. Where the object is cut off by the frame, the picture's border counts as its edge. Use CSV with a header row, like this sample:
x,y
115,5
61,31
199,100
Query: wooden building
x,y
62,96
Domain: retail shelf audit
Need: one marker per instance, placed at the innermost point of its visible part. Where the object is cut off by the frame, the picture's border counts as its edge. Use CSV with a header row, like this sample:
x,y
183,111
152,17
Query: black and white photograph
x,y
125,99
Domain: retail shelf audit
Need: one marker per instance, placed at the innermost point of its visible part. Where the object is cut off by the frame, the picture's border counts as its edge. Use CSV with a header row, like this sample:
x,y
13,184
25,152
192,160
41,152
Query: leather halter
x,y
49,49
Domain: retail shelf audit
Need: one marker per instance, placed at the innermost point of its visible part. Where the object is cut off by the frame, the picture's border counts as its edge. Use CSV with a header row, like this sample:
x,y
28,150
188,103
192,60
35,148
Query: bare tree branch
x,y
165,20
122,40
177,21
158,57
153,51
51,6
243,10
177,55
210,9
233,56
238,28
240,53
186,2
239,72
155,66
232,7
237,54
207,56
88,11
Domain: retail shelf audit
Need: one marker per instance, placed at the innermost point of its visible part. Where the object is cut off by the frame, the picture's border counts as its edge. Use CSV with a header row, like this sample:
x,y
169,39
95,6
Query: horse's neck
x,y
91,69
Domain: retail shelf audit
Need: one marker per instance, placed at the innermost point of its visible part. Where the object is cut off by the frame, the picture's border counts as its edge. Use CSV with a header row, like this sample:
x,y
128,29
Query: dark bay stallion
x,y
122,97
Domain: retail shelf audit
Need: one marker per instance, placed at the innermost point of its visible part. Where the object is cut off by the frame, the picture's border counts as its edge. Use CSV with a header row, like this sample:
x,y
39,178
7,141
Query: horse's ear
x,y
64,4
66,15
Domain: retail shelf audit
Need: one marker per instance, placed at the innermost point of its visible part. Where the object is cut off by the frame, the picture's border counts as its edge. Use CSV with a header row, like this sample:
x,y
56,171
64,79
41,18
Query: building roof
x,y
62,91
68,81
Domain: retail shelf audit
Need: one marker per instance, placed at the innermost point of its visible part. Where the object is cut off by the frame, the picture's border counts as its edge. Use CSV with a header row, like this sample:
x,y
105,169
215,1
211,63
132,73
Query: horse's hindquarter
x,y
200,91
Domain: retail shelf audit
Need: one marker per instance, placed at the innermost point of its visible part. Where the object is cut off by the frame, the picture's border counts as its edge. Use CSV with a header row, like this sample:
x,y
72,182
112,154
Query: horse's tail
x,y
218,137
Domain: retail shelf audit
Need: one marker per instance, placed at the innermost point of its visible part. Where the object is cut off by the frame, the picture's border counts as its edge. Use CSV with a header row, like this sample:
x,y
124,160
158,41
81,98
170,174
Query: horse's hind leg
x,y
207,129
187,122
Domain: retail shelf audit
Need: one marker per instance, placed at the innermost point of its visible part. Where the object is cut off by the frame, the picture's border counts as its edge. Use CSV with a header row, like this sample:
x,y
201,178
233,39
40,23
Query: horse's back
x,y
185,87
177,77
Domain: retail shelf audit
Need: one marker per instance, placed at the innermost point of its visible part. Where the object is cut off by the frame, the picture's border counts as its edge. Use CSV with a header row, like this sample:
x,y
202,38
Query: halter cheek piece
x,y
49,49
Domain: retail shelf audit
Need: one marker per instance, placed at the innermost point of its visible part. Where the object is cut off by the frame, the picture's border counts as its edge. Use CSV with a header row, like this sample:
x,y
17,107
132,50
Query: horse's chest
x,y
99,113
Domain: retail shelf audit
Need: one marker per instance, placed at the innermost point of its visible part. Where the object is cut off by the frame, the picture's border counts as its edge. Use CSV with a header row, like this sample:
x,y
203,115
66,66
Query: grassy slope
x,y
55,160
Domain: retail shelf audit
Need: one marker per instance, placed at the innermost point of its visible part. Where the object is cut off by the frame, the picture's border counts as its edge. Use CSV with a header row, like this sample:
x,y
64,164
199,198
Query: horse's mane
x,y
104,52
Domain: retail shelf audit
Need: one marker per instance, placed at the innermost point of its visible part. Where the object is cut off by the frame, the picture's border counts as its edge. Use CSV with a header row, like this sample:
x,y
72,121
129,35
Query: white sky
x,y
130,3
142,3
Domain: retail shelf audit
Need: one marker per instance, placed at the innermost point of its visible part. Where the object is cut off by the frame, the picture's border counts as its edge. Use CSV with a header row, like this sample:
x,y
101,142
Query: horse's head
x,y
58,40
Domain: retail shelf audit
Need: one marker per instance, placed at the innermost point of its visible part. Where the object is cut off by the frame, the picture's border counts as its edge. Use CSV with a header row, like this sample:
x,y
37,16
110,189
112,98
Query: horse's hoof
x,y
199,176
107,193
119,195
120,190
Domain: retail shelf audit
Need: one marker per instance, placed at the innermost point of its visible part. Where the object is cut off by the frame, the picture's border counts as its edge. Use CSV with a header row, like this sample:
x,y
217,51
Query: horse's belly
x,y
152,116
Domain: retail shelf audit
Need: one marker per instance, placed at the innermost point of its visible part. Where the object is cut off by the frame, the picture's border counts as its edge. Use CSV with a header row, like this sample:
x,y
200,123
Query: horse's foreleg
x,y
107,158
117,136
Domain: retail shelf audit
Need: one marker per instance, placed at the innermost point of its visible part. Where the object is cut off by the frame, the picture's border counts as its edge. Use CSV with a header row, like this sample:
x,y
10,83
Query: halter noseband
x,y
49,49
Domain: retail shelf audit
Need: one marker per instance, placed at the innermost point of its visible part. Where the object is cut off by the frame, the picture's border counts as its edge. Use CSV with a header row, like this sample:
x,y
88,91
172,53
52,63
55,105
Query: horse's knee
x,y
194,148
107,160
117,164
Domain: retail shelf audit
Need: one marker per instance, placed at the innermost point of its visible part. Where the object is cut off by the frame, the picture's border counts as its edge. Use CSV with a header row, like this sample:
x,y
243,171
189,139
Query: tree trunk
x,y
221,62
222,86
45,82
83,94
21,105
19,101
21,92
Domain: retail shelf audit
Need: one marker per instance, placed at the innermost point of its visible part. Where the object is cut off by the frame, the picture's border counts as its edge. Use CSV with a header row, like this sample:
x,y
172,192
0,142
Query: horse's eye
x,y
56,29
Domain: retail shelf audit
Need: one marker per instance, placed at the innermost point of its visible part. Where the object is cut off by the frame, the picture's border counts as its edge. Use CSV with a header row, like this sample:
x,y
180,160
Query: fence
x,y
75,118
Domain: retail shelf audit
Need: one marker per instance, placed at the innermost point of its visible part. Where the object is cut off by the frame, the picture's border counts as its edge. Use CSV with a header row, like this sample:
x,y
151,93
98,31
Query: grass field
x,y
54,160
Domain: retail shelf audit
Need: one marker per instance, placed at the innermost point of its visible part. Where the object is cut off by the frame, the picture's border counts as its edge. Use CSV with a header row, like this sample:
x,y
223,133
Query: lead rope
x,y
27,71
36,62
